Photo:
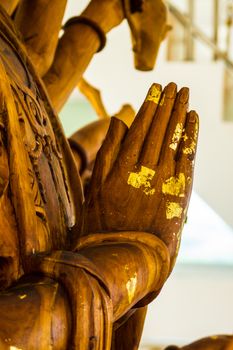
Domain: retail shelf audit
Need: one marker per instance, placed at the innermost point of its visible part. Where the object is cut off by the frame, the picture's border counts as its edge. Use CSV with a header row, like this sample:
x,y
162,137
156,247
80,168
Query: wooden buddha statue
x,y
75,272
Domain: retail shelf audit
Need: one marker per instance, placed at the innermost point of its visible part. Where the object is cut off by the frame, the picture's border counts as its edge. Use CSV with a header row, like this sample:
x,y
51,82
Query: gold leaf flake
x,y
174,186
131,287
173,210
142,179
154,94
176,136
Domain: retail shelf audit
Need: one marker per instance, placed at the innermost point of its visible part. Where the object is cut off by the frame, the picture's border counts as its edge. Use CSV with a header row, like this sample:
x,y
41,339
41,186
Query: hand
x,y
143,176
86,141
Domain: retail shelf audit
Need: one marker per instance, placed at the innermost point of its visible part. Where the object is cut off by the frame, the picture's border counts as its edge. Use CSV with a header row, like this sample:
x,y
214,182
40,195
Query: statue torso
x,y
41,168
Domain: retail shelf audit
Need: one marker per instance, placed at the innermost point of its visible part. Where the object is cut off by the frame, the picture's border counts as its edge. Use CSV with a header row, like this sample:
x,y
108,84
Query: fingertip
x,y
154,93
155,86
116,123
183,95
193,117
170,90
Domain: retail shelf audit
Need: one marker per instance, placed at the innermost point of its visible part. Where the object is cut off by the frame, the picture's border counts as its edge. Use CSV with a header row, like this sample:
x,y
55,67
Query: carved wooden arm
x,y
137,263
62,62
39,23
86,303
216,342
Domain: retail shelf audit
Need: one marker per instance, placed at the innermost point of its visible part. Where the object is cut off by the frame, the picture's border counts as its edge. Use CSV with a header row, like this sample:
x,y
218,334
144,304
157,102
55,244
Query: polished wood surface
x,y
215,342
77,270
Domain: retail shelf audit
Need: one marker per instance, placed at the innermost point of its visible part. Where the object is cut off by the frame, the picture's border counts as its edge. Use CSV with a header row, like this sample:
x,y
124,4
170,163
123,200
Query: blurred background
x,y
197,300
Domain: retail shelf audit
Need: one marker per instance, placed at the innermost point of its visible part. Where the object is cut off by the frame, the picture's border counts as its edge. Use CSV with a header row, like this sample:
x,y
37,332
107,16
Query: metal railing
x,y
193,31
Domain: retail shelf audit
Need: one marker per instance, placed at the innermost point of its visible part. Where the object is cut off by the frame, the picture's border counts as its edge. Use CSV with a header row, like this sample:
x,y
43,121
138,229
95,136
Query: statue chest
x,y
46,168
40,181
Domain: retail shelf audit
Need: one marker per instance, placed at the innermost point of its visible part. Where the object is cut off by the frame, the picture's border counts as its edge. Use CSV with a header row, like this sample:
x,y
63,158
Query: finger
x,y
187,150
126,114
108,152
175,127
153,143
133,143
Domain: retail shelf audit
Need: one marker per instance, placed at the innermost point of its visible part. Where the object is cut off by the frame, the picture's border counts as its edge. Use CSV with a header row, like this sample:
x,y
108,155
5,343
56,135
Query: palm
x,y
143,176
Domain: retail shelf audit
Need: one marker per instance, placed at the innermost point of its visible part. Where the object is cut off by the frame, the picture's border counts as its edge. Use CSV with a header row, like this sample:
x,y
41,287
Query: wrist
x,y
108,14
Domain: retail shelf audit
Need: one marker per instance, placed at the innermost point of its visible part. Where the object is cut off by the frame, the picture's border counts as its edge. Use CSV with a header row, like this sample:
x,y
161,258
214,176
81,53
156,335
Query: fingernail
x,y
184,95
192,117
170,90
154,93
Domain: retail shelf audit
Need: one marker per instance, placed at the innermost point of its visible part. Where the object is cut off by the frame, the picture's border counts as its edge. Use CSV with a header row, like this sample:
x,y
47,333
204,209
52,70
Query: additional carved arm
x,y
126,113
39,22
83,36
80,41
216,342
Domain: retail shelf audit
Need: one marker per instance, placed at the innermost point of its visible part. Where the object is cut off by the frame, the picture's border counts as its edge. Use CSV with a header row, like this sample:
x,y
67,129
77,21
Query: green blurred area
x,y
75,114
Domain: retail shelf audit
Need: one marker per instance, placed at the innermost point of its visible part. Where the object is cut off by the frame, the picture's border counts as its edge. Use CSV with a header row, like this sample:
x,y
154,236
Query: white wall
x,y
195,302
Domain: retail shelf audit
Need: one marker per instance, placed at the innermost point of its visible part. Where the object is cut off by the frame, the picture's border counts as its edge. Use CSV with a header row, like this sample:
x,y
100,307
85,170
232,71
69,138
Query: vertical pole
x,y
189,38
229,22
215,24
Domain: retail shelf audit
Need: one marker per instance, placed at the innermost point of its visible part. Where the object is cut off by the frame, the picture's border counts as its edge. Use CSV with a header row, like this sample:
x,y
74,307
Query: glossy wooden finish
x,y
148,24
9,5
215,342
63,61
152,177
41,199
35,314
78,272
39,23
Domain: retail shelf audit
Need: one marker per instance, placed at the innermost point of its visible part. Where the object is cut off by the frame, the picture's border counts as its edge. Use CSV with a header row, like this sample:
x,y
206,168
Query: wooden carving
x,y
78,272
216,342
